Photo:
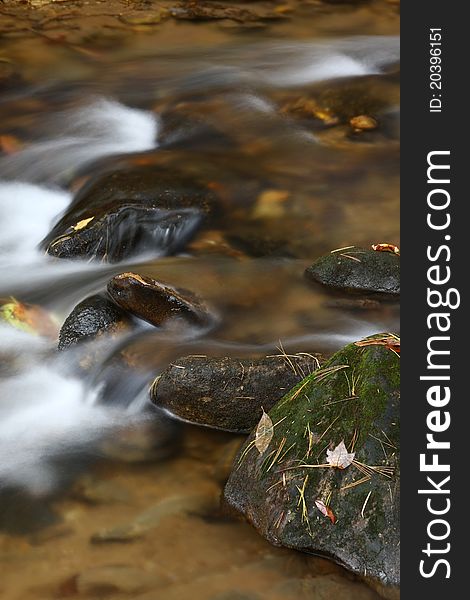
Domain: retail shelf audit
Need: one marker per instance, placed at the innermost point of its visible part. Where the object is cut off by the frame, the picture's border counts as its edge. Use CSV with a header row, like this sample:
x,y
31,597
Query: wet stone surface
x,y
93,317
358,270
157,302
131,211
228,393
251,158
294,496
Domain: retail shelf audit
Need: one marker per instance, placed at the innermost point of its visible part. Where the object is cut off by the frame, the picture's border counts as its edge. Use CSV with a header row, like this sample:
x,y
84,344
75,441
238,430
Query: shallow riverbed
x,y
259,106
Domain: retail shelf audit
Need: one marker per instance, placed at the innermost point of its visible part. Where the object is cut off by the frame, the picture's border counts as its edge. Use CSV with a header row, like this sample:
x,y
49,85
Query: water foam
x,y
26,214
82,135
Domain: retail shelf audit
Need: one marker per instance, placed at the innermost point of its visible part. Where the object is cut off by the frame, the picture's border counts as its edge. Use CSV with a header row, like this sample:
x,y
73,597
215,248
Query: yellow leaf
x,y
82,224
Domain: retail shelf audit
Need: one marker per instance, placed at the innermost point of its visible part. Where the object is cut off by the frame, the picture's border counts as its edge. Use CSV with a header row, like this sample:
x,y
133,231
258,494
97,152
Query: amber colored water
x,y
108,95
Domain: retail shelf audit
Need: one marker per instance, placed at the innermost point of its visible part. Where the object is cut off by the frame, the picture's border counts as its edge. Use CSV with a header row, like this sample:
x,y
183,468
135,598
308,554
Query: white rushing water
x,y
45,413
78,136
287,64
26,214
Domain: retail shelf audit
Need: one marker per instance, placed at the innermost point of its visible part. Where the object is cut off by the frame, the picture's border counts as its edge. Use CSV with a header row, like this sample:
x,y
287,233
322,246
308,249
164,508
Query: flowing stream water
x,y
79,453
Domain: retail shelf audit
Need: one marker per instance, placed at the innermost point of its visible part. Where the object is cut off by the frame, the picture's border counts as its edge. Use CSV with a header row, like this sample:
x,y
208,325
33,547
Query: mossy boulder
x,y
359,270
131,211
353,398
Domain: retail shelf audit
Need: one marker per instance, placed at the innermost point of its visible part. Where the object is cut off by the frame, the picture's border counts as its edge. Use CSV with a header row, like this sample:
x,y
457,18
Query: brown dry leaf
x,y
325,510
9,144
264,433
363,123
386,248
339,457
390,341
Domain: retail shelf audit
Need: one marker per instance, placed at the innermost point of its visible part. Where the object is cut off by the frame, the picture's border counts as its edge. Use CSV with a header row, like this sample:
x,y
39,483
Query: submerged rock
x,y
358,270
112,579
291,492
93,490
228,393
92,317
156,302
153,440
324,587
131,211
186,503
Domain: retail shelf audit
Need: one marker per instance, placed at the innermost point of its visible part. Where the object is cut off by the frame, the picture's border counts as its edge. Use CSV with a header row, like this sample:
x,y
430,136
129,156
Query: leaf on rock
x,y
386,248
325,510
392,342
264,433
339,457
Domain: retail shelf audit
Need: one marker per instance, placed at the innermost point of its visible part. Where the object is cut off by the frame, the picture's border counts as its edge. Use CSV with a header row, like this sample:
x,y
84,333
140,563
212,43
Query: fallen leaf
x,y
9,144
386,248
390,341
325,510
81,224
339,457
264,433
363,123
28,317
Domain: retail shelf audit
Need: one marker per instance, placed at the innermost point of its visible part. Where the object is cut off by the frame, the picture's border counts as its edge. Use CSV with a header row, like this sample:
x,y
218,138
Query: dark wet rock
x,y
135,210
358,270
112,579
156,302
353,398
92,317
227,393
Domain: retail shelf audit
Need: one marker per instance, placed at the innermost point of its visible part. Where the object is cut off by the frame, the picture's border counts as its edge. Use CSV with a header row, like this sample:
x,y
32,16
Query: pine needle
x,y
365,503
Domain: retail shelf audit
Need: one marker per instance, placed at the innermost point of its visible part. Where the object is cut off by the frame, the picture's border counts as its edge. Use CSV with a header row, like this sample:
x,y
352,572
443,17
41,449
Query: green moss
x,y
333,405
354,398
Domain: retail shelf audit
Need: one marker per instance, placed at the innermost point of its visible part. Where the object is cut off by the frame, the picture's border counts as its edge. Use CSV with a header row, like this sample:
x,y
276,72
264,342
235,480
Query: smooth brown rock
x,y
228,393
156,302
